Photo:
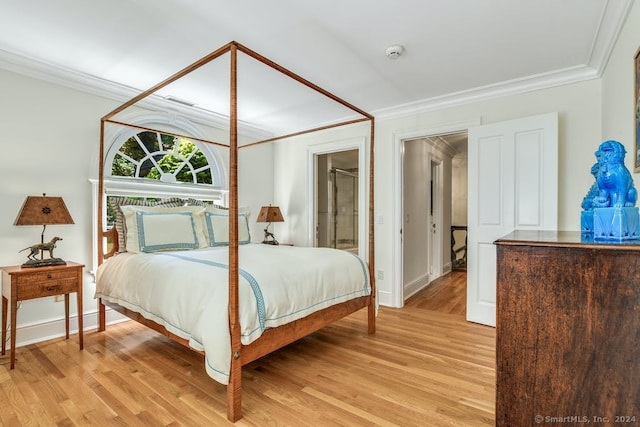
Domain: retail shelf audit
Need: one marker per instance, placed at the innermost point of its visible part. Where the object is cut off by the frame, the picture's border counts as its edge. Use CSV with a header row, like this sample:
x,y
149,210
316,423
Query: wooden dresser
x,y
567,330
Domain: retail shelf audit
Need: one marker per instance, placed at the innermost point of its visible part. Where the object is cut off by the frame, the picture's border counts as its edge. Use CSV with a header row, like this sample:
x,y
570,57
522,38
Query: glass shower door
x,y
344,224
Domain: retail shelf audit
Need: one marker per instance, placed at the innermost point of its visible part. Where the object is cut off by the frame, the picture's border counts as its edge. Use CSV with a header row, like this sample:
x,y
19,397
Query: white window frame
x,y
136,187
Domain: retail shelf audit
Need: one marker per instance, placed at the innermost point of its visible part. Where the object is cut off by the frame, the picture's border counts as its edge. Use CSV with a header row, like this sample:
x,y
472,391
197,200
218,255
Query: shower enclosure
x,y
337,202
344,224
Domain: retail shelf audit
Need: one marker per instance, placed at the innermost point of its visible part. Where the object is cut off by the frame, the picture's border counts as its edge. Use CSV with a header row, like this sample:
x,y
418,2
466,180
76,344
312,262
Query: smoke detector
x,y
394,51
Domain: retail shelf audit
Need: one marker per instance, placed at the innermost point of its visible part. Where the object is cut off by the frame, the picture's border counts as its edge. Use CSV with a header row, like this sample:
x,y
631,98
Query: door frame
x,y
397,286
313,151
436,172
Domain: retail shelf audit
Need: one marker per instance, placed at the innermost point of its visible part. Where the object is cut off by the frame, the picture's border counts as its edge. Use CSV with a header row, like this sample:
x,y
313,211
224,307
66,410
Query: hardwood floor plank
x,y
364,415
447,294
74,416
424,366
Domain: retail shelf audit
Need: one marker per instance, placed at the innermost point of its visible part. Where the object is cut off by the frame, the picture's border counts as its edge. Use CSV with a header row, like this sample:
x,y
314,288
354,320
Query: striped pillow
x,y
115,202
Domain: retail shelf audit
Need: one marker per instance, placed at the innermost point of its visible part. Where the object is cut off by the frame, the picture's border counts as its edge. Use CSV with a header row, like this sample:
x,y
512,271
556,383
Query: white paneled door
x,y
513,184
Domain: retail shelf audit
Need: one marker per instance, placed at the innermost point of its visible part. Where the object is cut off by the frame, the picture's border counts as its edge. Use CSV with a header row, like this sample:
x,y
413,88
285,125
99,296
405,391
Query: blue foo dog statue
x,y
609,210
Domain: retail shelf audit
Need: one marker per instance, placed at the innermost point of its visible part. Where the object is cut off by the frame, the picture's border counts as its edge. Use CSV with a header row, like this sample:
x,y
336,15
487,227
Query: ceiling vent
x,y
180,101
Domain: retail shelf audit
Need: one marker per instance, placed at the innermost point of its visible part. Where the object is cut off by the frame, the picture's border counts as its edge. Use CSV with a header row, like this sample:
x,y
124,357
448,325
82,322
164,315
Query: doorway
x,y
459,205
449,131
431,196
337,198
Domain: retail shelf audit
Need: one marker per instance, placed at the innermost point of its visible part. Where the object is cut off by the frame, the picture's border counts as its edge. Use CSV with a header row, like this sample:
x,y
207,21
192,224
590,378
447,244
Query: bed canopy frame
x,y
275,338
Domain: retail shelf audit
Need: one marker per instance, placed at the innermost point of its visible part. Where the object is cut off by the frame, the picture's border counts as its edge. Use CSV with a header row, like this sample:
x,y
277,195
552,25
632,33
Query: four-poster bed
x,y
271,338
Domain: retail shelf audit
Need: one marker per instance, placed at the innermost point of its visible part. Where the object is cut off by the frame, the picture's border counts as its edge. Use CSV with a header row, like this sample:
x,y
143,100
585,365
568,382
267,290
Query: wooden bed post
x,y
371,309
102,315
234,390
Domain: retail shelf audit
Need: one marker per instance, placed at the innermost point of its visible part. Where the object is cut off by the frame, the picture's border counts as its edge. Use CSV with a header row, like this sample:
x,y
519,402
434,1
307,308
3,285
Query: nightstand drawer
x,y
45,288
45,276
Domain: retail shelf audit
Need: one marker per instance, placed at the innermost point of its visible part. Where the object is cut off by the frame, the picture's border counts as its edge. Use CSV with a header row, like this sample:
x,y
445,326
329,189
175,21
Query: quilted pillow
x,y
152,229
216,224
115,202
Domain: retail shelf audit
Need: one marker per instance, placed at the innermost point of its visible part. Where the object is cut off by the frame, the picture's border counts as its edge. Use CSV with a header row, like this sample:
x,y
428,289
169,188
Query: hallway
x,y
446,294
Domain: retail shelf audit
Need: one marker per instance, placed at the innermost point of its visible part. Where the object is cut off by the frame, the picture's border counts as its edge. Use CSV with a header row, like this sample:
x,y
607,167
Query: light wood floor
x,y
445,295
424,367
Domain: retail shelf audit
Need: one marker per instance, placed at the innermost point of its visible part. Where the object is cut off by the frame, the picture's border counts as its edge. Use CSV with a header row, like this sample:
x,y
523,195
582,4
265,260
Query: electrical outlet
x,y
59,298
380,275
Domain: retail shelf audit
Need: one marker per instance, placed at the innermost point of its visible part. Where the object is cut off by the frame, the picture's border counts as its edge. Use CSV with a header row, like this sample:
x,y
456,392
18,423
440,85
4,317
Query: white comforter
x,y
187,291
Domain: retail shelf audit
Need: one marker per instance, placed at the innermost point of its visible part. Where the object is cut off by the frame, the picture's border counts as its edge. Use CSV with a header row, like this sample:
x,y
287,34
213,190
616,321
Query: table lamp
x,y
269,214
43,210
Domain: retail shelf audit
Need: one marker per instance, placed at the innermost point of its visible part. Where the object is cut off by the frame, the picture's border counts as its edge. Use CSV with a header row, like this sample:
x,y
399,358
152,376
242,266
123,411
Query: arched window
x,y
163,157
156,164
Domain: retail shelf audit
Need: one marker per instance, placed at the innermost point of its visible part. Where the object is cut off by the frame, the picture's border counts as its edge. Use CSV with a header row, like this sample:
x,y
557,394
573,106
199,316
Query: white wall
x,y
255,184
291,181
415,221
49,137
618,88
50,141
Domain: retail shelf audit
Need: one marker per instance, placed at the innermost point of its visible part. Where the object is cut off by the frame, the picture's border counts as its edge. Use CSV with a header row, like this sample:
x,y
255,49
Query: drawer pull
x,y
52,288
48,275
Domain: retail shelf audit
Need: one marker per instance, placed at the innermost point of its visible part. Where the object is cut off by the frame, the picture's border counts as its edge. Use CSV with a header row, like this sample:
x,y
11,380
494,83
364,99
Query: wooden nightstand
x,y
20,284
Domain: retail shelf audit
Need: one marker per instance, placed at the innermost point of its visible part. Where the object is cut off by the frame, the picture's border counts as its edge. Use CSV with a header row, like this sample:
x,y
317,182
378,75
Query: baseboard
x,y
415,286
384,299
51,329
447,268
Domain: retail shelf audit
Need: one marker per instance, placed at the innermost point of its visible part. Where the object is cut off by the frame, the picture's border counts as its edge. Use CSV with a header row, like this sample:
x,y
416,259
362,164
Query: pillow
x,y
152,229
216,224
115,202
198,202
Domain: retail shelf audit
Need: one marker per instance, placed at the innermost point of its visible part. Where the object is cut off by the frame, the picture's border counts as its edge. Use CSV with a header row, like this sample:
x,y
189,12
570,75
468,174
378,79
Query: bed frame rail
x,y
275,338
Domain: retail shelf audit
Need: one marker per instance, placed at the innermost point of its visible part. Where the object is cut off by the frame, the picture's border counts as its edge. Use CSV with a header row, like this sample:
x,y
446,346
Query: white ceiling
x,y
455,50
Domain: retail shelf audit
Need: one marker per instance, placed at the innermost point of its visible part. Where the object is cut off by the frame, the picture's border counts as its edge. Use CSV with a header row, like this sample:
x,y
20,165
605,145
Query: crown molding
x,y
87,83
107,89
614,15
498,90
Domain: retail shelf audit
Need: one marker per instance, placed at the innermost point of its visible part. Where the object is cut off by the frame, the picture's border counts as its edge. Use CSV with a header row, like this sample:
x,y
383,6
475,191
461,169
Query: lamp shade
x,y
43,210
270,214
